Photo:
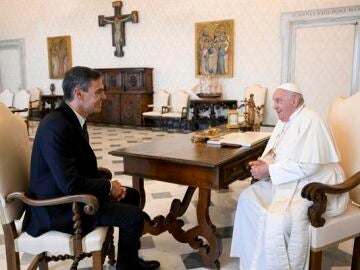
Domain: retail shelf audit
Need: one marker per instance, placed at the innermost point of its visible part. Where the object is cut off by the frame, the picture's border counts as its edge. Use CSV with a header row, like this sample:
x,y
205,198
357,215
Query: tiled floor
x,y
171,254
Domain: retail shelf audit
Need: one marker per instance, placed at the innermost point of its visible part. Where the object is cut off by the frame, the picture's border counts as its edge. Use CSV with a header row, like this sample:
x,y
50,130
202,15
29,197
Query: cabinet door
x,y
131,109
111,109
134,80
112,80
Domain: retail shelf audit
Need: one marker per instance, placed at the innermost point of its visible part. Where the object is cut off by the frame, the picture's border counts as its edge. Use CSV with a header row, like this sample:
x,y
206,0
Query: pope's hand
x,y
259,169
118,192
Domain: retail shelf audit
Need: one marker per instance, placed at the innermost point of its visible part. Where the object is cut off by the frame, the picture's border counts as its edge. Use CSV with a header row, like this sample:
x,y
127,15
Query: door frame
x,y
19,46
291,21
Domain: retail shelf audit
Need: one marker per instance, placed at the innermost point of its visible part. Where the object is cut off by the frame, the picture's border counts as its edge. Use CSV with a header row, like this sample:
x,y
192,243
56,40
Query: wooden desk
x,y
178,161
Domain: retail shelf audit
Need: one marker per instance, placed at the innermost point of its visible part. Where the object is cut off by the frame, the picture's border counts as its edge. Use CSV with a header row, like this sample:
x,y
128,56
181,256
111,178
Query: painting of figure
x,y
214,48
59,54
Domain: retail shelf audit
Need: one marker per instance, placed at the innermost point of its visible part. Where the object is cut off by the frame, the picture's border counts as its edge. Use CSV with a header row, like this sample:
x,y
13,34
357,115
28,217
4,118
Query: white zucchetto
x,y
290,87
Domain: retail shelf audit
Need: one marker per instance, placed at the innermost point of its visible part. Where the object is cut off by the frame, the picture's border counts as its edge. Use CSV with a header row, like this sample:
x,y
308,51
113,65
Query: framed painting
x,y
59,54
214,43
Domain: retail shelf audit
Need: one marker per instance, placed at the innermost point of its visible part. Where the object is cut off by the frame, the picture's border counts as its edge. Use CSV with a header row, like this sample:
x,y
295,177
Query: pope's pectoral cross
x,y
118,26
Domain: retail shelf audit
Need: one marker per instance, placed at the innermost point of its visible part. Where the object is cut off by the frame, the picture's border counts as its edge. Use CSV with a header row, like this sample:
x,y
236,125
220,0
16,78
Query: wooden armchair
x,y
6,97
161,101
22,102
35,102
344,118
178,109
52,245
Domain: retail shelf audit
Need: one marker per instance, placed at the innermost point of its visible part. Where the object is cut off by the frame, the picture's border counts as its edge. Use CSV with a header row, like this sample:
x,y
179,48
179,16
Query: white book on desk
x,y
237,139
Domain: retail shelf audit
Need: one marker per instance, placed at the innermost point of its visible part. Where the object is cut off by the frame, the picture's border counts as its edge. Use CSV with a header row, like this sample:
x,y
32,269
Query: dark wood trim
x,y
355,264
315,260
316,192
12,257
90,201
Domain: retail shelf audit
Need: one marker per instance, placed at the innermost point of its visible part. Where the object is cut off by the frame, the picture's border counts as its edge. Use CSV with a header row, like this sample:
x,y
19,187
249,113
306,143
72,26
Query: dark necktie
x,y
86,134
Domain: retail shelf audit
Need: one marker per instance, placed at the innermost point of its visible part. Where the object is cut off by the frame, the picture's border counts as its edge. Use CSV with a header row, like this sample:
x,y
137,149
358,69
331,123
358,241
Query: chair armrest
x,y
104,172
183,112
90,201
165,109
316,192
32,102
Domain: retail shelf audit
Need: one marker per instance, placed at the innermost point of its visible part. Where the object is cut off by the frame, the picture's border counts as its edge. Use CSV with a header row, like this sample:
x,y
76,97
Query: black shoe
x,y
148,265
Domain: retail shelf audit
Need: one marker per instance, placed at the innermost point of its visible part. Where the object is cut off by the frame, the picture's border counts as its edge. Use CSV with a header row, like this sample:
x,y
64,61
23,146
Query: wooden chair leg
x,y
12,257
38,262
315,260
355,264
27,125
43,264
97,260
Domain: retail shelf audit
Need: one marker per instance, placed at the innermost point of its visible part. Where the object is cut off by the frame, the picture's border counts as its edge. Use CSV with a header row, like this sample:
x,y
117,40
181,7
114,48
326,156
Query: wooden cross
x,y
118,26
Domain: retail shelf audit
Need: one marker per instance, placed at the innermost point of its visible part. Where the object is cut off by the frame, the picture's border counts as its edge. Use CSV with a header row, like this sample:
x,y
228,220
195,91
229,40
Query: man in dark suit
x,y
63,163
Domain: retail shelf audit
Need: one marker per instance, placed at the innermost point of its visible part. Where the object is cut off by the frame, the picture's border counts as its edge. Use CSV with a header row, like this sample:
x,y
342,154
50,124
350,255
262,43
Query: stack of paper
x,y
238,139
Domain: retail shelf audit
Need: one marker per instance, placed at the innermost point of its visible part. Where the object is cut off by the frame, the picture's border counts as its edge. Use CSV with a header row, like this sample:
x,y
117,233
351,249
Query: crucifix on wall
x,y
118,26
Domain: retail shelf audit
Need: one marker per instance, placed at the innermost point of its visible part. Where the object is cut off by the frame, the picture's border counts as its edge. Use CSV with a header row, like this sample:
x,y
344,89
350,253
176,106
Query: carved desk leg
x,y
210,253
138,184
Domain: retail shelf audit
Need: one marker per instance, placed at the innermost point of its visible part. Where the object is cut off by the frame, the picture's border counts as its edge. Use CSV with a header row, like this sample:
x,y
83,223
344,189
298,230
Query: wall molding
x,y
19,46
291,21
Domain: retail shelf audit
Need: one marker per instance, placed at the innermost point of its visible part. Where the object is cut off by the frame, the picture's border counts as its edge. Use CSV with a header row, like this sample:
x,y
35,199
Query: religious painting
x,y
214,43
59,54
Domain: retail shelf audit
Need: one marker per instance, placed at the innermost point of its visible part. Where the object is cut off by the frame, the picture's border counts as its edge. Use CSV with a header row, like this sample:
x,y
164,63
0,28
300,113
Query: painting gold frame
x,y
59,55
214,48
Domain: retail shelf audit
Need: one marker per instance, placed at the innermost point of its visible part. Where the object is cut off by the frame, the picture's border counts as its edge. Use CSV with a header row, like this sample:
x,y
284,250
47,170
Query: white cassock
x,y
271,229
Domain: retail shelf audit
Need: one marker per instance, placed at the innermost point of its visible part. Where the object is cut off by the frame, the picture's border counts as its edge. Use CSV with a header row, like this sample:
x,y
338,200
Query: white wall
x,y
163,38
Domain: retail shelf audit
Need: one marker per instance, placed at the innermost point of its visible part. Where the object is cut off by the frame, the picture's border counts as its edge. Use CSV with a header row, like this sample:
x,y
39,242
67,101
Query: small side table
x,y
200,106
52,100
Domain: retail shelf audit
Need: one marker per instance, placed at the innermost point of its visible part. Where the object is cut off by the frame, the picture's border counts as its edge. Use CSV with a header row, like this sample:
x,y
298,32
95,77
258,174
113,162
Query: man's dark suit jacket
x,y
62,163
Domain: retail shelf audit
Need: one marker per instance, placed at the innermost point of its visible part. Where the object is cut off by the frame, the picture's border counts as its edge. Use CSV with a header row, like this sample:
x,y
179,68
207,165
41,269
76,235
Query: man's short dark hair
x,y
78,77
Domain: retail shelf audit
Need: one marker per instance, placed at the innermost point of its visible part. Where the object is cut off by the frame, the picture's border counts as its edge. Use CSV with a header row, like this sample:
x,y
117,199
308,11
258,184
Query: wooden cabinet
x,y
128,92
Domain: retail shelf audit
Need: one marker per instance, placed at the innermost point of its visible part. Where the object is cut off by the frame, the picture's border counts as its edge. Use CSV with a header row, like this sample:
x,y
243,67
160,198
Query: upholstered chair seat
x,y
57,243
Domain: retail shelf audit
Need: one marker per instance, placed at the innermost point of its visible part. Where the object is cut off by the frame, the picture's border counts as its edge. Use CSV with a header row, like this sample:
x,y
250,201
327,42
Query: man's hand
x,y
118,192
259,169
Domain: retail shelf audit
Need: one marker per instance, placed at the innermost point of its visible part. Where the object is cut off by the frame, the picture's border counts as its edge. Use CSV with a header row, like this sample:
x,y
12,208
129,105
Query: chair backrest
x,y
22,101
179,100
35,96
6,97
344,119
259,94
14,162
161,98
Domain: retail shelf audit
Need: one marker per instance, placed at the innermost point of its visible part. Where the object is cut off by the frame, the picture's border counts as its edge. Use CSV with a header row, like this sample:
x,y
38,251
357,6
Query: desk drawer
x,y
236,169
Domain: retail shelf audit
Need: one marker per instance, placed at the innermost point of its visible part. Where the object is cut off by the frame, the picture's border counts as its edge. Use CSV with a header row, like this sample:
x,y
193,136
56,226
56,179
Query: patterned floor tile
x,y
161,195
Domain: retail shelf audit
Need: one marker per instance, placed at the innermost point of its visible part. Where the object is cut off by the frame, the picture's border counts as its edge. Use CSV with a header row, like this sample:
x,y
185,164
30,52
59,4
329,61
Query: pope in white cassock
x,y
271,230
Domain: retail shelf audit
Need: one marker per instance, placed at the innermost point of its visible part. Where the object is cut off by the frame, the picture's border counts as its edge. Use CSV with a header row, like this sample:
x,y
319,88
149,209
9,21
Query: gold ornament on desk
x,y
204,135
252,115
232,119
